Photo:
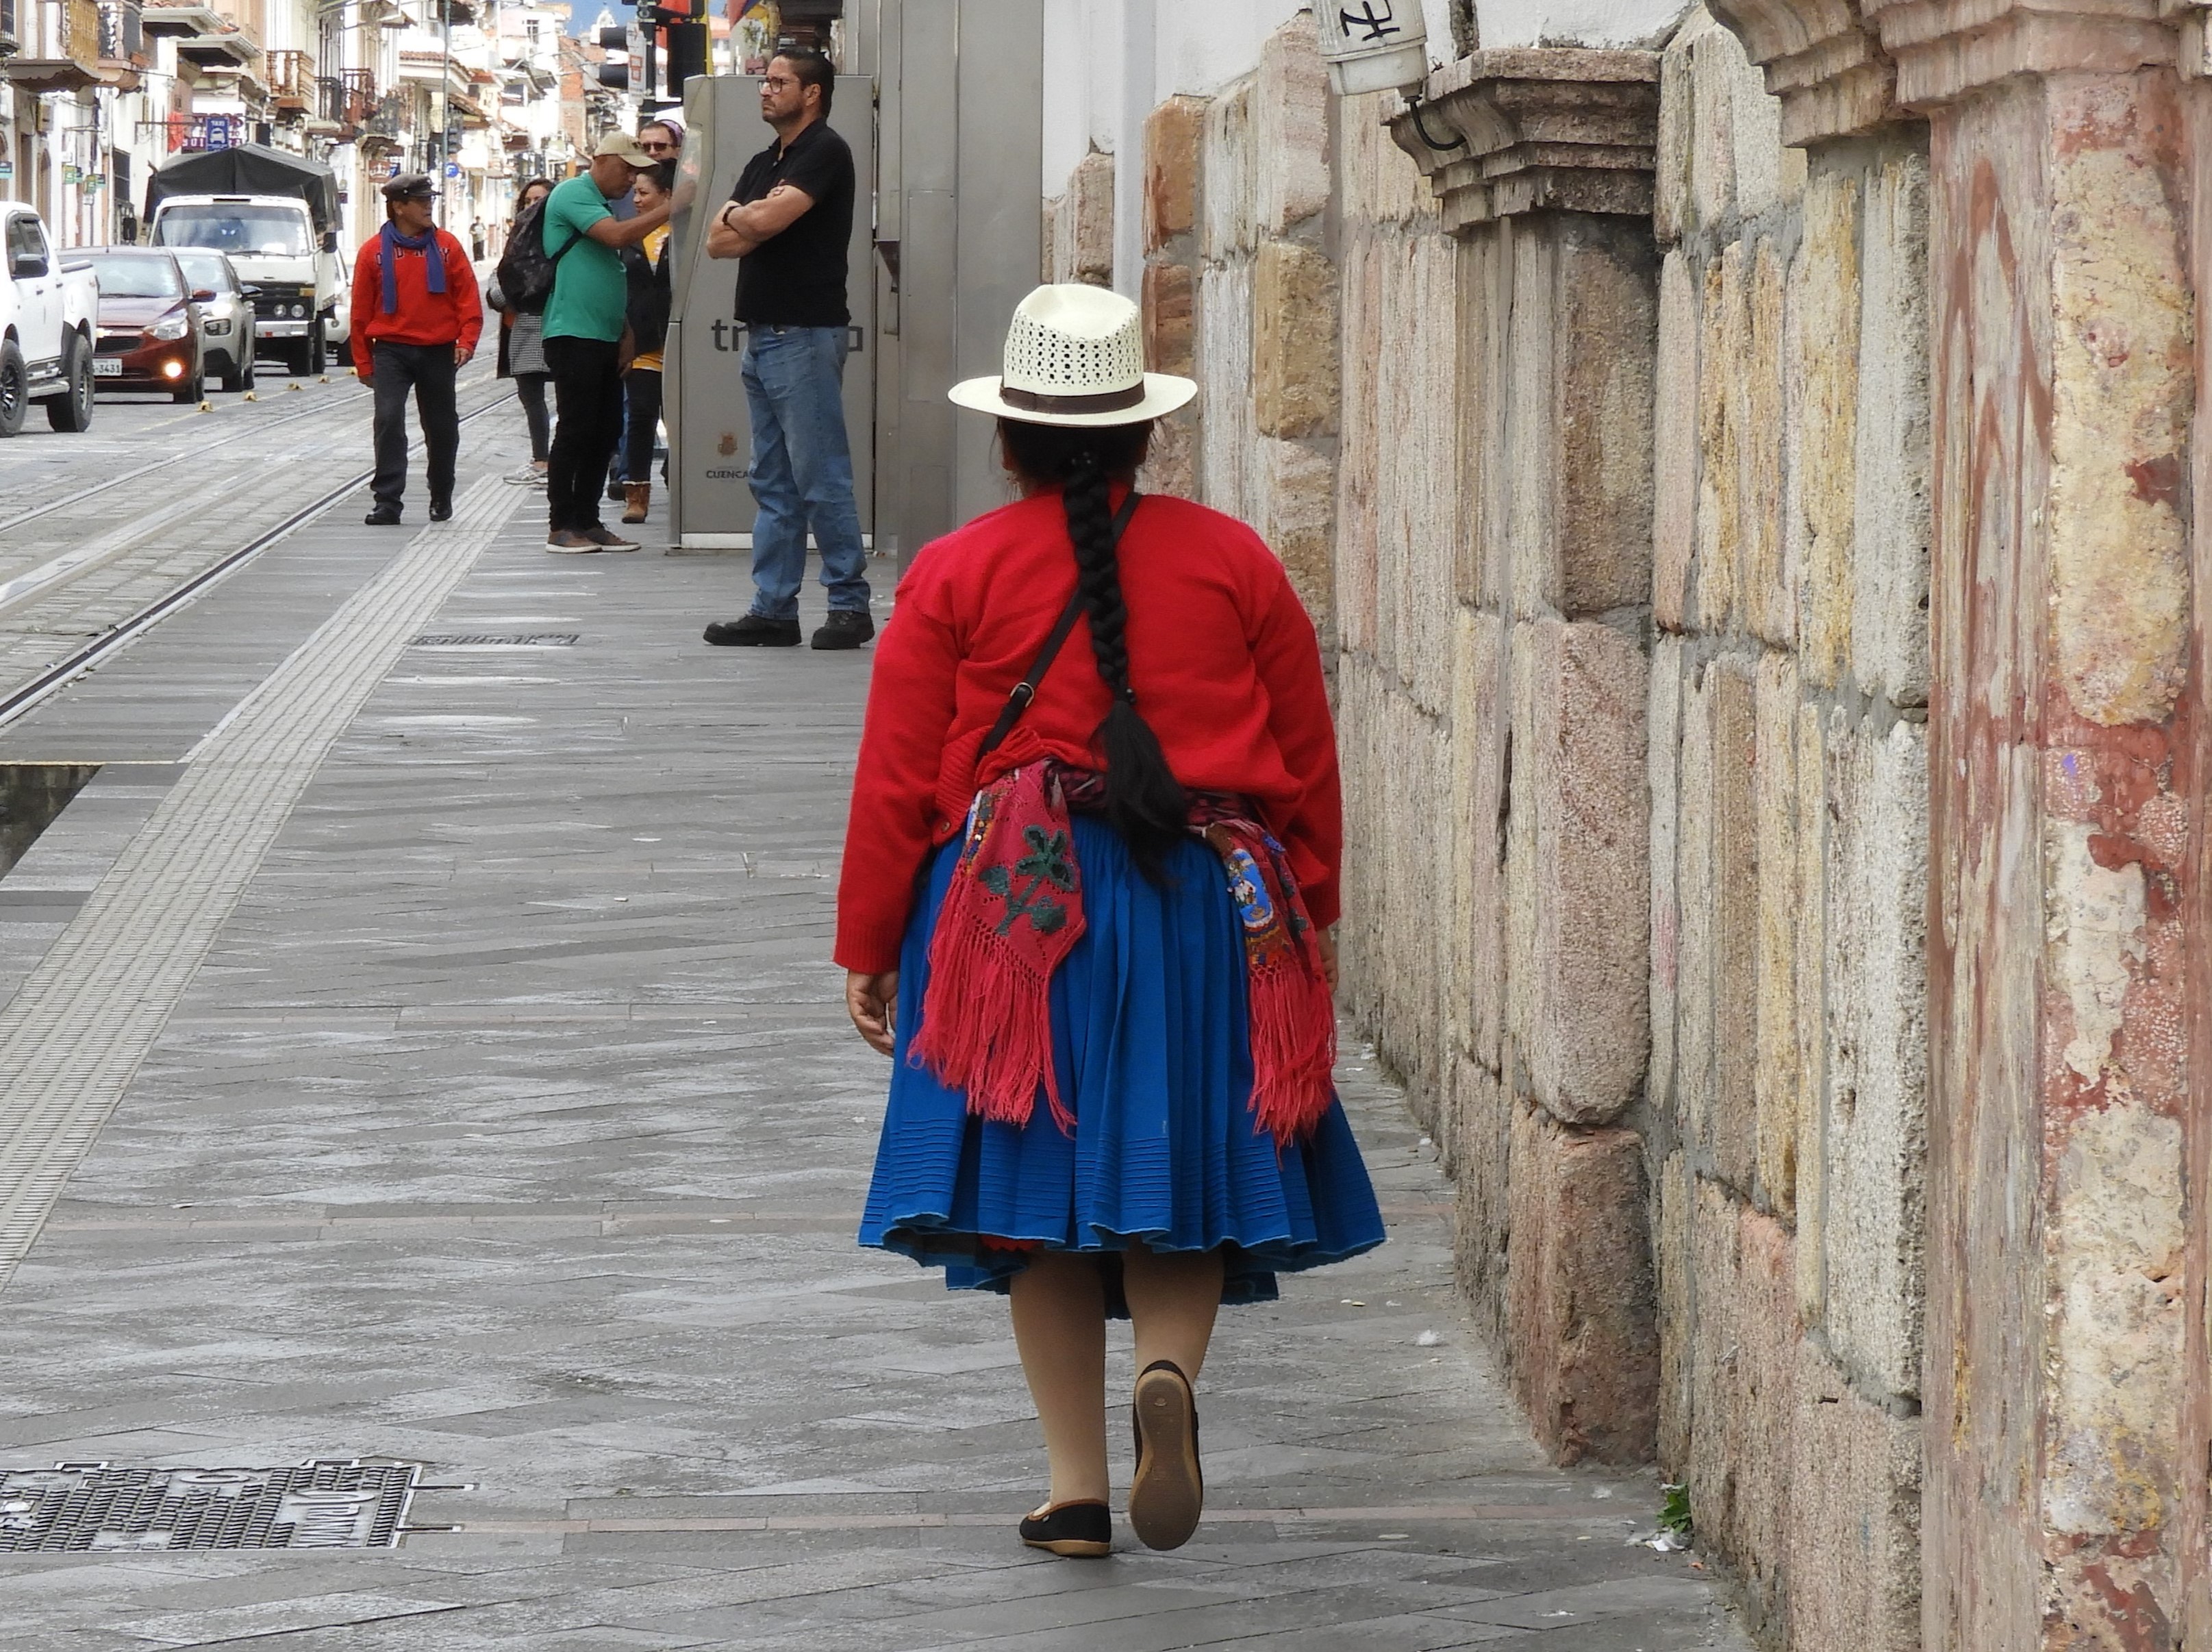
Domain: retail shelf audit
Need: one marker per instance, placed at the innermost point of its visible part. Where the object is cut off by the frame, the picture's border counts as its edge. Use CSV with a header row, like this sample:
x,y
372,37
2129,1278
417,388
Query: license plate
x,y
107,367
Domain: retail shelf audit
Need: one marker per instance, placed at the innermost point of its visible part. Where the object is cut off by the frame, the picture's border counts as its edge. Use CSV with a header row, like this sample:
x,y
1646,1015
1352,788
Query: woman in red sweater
x,y
1086,903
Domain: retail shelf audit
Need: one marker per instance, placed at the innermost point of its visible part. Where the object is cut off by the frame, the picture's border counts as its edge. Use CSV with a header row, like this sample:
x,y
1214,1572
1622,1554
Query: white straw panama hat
x,y
1075,355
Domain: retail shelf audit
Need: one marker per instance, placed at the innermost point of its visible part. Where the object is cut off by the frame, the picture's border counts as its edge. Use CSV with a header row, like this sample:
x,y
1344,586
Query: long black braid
x,y
1144,802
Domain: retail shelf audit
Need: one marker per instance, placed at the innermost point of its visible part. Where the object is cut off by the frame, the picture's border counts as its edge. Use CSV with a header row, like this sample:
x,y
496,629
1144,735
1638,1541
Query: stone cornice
x,y
1567,129
1945,49
1821,59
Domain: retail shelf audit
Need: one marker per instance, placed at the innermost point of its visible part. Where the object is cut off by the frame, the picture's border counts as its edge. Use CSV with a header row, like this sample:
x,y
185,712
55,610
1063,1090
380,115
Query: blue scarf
x,y
435,268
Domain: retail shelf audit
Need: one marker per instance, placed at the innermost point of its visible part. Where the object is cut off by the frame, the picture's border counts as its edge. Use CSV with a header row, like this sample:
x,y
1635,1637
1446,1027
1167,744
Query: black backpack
x,y
525,270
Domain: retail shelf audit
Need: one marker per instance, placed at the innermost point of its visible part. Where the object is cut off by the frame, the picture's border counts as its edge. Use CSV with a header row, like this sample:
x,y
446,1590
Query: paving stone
x,y
511,1127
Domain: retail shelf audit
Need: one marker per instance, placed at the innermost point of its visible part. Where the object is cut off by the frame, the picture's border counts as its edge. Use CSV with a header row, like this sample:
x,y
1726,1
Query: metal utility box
x,y
709,430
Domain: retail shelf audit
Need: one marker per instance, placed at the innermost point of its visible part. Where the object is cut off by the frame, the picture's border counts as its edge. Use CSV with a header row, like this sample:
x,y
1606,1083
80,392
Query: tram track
x,y
23,593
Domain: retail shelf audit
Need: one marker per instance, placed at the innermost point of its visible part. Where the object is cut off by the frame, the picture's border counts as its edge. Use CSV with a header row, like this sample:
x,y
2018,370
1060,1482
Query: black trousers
x,y
428,370
530,390
587,403
641,385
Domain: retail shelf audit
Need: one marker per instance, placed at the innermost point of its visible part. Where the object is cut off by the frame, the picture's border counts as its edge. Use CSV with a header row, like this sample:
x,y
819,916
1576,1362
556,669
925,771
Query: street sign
x,y
452,169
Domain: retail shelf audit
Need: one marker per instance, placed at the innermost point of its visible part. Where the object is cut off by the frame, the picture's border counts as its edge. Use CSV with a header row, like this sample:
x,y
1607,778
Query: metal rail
x,y
17,702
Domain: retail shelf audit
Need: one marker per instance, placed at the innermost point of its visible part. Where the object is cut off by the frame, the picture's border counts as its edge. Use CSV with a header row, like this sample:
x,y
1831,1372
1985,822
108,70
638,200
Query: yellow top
x,y
650,360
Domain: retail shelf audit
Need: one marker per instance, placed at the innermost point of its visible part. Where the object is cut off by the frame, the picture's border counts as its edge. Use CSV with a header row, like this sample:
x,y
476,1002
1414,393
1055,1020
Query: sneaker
x,y
608,539
754,631
384,516
567,542
846,627
441,510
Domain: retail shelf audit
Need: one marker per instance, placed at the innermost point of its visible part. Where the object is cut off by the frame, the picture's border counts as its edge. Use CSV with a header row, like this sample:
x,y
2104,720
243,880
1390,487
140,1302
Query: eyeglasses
x,y
653,148
777,82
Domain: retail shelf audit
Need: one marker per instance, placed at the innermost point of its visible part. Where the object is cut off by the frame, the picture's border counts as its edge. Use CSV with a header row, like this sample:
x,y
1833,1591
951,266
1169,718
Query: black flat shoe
x,y
441,510
754,632
1167,1494
383,516
846,627
1074,1531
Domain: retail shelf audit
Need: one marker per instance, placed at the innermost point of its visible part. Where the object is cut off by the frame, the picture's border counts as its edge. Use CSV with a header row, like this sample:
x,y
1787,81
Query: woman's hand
x,y
1328,959
873,1002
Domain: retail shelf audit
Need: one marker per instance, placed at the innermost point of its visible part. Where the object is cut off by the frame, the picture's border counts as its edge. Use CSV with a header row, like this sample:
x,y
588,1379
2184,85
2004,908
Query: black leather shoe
x,y
441,510
1167,1494
754,631
1074,1531
846,627
384,516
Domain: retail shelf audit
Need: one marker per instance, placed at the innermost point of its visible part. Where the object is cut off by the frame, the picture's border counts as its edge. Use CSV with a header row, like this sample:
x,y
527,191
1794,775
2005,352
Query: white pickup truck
x,y
48,311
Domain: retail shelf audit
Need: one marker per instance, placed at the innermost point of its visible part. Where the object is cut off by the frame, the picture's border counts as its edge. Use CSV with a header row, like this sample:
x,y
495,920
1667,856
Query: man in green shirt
x,y
587,340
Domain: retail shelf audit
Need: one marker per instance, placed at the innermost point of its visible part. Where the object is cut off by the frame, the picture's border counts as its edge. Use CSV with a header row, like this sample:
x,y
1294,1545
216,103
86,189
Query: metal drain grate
x,y
75,1507
483,639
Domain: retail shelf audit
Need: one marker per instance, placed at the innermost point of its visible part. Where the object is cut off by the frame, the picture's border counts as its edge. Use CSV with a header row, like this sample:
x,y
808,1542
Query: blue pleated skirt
x,y
1149,1025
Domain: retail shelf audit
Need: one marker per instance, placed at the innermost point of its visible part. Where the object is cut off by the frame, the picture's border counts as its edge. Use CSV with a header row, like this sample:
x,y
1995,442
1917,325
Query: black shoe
x,y
1167,1494
615,490
1074,1531
846,627
754,631
384,516
441,510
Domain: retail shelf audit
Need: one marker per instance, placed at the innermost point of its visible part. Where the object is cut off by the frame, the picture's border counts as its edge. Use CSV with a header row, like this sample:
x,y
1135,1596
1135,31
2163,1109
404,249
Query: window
x,y
136,274
253,231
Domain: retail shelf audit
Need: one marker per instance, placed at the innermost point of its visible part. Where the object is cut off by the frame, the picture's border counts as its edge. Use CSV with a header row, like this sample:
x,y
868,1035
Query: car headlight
x,y
175,327
217,327
299,309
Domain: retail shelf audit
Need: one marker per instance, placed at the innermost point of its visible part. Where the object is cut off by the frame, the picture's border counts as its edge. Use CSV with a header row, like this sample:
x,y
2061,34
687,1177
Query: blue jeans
x,y
802,469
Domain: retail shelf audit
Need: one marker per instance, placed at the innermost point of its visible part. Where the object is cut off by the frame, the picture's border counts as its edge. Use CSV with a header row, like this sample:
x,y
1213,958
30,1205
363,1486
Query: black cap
x,y
410,187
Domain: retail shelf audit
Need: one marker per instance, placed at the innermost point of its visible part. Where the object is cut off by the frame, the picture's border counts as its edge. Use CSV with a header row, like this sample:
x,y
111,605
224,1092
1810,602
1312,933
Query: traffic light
x,y
614,73
688,51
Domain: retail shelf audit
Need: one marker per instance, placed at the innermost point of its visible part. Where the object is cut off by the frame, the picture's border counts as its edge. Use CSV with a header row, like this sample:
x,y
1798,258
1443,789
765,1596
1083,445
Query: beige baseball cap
x,y
622,147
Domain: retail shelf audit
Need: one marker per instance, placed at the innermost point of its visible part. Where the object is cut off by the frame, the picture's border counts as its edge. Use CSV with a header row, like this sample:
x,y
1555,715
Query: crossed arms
x,y
739,230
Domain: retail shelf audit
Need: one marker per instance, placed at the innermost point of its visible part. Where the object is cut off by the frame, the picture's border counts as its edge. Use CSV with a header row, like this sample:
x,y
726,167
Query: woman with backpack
x,y
1087,908
522,344
648,268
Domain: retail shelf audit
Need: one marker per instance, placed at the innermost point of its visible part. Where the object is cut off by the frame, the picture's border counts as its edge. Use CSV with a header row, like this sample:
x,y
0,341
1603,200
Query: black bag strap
x,y
1018,698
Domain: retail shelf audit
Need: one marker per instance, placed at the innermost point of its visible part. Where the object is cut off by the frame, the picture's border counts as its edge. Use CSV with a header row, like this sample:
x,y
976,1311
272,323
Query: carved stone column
x,y
2067,937
1542,160
1821,59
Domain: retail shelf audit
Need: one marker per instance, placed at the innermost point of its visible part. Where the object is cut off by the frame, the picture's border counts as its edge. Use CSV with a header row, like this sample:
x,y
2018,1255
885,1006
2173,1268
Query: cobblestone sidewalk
x,y
511,1126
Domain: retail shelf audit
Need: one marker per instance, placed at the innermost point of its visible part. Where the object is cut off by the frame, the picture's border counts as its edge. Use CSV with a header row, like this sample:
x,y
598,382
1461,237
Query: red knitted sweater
x,y
1224,660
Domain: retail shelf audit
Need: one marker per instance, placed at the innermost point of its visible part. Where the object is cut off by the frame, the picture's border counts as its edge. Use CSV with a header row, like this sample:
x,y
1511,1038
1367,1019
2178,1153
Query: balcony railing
x,y
8,38
122,31
291,77
388,119
81,30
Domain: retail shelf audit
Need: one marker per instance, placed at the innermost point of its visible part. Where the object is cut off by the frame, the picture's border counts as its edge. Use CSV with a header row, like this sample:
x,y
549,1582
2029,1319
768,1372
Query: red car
x,y
148,334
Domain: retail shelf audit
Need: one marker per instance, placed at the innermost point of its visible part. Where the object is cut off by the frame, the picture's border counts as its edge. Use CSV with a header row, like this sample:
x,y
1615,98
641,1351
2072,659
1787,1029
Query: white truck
x,y
274,214
49,311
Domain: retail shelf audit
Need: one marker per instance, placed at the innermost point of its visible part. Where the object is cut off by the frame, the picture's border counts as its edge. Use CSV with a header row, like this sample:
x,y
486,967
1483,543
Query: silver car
x,y
224,306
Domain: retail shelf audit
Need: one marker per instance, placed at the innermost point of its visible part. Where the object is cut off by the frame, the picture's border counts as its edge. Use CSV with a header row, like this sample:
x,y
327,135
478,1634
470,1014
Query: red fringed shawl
x,y
1015,909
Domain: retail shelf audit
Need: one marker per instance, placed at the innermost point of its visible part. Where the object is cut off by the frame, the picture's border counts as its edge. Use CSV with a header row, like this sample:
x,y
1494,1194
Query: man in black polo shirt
x,y
788,223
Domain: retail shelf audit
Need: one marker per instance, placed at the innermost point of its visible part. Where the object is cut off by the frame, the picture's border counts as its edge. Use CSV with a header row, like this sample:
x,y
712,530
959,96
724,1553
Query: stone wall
x,y
1789,785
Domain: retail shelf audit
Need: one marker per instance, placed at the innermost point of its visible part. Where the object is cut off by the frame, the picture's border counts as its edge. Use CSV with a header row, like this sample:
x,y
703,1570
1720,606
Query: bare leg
x,y
1059,1325
1173,1297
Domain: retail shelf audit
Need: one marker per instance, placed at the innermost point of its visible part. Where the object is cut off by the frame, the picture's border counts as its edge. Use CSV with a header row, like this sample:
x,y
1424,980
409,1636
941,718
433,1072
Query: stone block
x,y
1693,1092
1047,243
1670,209
1811,806
1769,602
1824,345
1380,183
1662,777
1606,326
1294,342
1874,1126
1674,1267
1889,612
1744,1369
1082,226
1482,1213
1290,128
1781,904
1854,1545
1171,467
1174,135
1675,442
1299,489
1477,960
1225,399
1225,210
1170,301
1732,1128
1715,61
1580,755
1581,1324
1484,279
1720,475
1359,454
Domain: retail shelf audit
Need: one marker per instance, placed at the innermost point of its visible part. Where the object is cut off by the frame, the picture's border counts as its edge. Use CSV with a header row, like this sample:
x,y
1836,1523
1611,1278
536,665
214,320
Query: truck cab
x,y
47,311
273,243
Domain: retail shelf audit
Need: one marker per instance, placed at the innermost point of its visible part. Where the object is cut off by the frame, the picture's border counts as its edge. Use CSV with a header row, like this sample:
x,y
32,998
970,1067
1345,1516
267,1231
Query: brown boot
x,y
637,497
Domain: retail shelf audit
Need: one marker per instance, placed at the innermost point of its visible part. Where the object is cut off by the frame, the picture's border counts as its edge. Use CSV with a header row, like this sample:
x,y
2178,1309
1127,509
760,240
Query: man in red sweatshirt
x,y
416,320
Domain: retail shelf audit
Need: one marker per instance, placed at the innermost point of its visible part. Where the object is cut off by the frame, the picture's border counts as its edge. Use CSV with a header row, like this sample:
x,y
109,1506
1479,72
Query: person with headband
x,y
1090,880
